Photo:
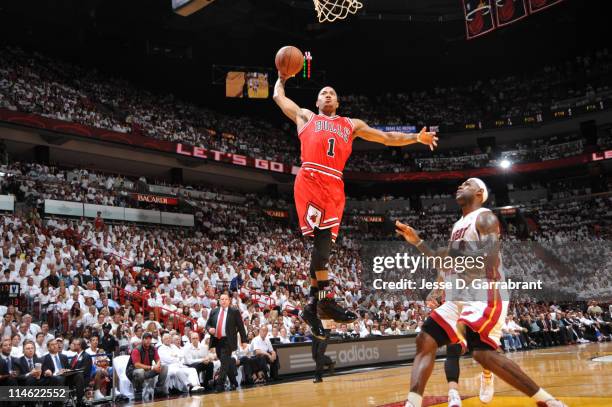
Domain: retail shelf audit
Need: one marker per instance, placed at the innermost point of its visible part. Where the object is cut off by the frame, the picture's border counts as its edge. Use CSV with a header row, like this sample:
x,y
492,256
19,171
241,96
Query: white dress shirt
x,y
195,355
261,344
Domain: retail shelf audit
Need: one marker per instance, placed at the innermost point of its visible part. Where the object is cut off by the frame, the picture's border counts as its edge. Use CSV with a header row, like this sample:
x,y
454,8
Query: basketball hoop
x,y
332,10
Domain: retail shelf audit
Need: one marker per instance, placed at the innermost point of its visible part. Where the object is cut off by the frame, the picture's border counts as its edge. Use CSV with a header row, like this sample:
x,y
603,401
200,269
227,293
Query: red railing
x,y
140,303
266,300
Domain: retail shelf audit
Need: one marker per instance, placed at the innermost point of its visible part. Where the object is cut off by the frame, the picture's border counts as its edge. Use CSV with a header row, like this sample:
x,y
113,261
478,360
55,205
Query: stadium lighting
x,y
505,164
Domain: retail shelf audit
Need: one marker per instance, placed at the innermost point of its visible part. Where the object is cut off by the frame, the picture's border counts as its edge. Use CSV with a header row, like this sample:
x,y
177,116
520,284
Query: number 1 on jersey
x,y
331,144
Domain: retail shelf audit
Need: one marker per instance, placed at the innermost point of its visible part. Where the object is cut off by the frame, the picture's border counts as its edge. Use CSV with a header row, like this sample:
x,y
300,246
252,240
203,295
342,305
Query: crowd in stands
x,y
541,149
531,325
576,82
33,83
102,289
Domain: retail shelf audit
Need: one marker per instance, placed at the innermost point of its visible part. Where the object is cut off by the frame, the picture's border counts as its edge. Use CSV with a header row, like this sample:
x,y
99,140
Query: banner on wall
x,y
179,219
142,215
402,128
478,17
509,11
539,5
277,213
7,203
370,218
162,200
162,189
106,211
66,208
63,208
297,358
602,155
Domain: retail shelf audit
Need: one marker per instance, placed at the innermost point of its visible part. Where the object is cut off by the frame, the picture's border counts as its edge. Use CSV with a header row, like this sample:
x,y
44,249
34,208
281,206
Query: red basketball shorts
x,y
319,200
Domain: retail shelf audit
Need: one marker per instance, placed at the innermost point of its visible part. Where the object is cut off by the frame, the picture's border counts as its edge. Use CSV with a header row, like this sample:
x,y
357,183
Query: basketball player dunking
x,y
476,324
326,143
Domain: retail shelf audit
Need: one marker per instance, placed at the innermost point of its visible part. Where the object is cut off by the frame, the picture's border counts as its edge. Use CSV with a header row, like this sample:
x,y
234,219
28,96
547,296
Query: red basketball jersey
x,y
326,143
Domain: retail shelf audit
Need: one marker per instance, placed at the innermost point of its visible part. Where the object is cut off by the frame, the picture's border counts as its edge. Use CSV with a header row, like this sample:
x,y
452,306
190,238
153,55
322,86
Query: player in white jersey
x,y
448,314
469,319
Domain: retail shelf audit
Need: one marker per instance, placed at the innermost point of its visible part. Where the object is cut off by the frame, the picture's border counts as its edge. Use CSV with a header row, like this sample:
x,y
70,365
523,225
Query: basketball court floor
x,y
580,375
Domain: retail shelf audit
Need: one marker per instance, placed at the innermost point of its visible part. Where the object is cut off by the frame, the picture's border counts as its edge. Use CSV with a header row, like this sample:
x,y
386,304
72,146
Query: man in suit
x,y
55,363
28,375
545,329
8,365
81,360
223,326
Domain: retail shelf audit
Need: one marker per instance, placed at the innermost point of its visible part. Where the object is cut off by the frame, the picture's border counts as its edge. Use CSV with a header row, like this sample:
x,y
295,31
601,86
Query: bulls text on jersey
x,y
324,125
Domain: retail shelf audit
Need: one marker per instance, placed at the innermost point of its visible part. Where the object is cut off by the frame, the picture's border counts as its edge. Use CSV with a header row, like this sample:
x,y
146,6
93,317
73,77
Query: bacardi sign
x,y
163,200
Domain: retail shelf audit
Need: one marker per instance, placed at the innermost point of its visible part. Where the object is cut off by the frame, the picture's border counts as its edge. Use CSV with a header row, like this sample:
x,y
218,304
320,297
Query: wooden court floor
x,y
567,372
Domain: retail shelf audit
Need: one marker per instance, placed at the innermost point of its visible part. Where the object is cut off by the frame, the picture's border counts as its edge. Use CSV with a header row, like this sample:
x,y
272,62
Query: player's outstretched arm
x,y
394,138
298,115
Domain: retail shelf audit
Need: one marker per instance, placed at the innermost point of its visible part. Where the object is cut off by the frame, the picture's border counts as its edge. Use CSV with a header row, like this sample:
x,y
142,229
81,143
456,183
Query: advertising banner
x,y
7,203
64,208
297,358
142,215
177,219
107,212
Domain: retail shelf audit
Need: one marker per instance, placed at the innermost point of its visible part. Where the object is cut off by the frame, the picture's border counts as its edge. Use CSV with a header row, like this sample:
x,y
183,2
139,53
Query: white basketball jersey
x,y
465,237
465,228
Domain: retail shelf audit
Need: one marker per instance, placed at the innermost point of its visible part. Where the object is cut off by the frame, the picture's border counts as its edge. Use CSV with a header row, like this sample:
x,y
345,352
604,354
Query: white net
x,y
332,10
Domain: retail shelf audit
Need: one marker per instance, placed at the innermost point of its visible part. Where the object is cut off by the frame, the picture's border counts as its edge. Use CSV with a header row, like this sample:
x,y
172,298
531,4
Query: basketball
x,y
289,60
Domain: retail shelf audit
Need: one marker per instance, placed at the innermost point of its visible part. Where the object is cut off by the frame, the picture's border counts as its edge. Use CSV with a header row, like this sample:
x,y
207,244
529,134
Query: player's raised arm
x,y
394,138
298,115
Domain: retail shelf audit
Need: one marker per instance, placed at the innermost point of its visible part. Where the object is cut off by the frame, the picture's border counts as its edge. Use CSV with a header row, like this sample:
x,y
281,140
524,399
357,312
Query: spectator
x,y
180,376
144,364
8,365
29,366
198,357
264,353
55,364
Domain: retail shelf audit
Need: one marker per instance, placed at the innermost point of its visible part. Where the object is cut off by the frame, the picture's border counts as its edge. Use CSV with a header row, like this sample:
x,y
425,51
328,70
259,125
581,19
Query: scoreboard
x,y
9,294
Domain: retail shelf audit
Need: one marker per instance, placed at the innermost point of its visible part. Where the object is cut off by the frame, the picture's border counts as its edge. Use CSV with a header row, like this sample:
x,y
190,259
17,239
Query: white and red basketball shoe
x,y
487,388
454,399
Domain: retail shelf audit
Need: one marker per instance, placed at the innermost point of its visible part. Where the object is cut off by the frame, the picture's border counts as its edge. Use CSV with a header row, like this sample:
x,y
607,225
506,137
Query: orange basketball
x,y
289,60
